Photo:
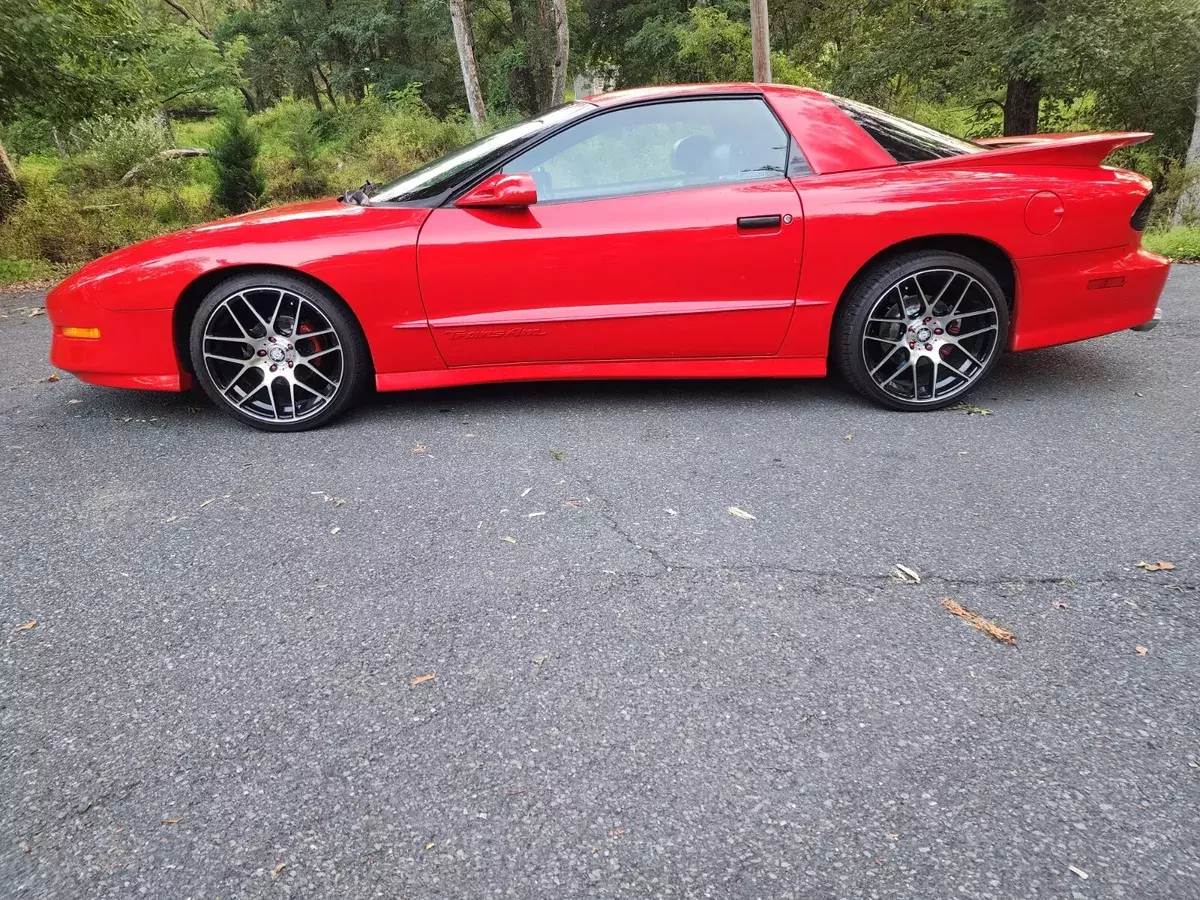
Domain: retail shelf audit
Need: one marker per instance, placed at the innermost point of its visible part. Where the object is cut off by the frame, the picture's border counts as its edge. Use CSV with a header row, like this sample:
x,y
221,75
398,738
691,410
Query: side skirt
x,y
758,367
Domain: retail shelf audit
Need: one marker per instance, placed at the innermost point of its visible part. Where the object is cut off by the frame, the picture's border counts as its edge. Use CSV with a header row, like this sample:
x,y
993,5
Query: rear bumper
x,y
136,348
1075,296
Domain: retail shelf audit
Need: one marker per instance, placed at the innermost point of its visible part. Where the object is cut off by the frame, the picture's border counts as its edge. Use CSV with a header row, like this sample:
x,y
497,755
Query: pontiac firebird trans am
x,y
706,231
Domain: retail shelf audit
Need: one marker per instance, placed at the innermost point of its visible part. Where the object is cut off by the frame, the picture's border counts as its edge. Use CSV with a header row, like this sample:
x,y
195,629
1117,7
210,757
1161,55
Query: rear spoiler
x,y
1042,150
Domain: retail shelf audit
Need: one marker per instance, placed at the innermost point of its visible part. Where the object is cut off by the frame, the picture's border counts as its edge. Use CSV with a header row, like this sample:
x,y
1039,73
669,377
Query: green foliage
x,y
16,270
240,180
105,148
1177,243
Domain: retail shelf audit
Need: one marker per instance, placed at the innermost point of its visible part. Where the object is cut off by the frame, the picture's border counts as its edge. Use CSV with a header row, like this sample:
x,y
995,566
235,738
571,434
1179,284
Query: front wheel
x,y
921,330
277,352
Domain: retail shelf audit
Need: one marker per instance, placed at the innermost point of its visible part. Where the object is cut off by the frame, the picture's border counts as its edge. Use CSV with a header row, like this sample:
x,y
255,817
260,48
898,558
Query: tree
x,y
240,181
461,19
1188,207
63,60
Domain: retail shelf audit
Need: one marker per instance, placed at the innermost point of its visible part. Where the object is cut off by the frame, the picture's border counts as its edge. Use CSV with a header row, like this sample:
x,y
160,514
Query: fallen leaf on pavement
x,y
430,845
741,513
969,409
53,378
28,626
975,620
558,455
172,820
1142,651
1161,566
279,868
421,679
509,540
1075,870
848,437
907,575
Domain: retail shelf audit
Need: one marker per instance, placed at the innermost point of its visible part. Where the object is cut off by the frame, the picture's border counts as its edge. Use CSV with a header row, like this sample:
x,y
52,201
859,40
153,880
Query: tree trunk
x,y
1021,103
760,41
10,189
313,92
460,18
562,51
1188,207
328,87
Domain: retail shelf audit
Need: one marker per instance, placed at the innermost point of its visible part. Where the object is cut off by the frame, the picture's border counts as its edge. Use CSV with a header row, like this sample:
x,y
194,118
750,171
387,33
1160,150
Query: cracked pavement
x,y
640,695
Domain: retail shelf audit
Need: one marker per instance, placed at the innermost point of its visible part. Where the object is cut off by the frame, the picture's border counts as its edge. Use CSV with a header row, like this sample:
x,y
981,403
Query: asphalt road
x,y
637,693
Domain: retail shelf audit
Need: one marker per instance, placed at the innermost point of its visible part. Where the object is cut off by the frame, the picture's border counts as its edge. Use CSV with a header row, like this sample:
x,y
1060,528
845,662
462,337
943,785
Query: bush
x,y
12,270
240,181
1177,243
106,147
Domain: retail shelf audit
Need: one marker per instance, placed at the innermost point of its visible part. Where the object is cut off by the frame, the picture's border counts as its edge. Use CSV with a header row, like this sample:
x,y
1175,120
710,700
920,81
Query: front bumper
x,y
136,348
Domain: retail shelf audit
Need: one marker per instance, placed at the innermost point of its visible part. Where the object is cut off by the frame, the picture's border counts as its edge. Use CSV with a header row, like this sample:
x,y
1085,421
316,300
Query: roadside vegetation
x,y
124,119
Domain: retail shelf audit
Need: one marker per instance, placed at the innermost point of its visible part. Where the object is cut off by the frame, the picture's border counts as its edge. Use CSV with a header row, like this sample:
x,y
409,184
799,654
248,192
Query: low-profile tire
x,y
278,352
921,330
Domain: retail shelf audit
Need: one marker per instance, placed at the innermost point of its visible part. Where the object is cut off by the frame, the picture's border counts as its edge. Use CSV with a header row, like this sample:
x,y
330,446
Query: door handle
x,y
758,223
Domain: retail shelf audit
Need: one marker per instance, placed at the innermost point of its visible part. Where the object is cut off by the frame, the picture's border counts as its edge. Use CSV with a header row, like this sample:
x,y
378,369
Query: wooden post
x,y
562,50
760,41
460,19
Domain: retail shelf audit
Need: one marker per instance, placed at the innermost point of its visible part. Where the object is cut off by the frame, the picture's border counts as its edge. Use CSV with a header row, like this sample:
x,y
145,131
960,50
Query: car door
x,y
661,231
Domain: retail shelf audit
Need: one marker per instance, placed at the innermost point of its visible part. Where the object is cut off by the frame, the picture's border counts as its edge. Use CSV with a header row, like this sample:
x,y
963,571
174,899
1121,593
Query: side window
x,y
658,147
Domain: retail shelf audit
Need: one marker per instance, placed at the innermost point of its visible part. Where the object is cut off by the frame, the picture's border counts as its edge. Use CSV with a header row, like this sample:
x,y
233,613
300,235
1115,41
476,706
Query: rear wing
x,y
1084,150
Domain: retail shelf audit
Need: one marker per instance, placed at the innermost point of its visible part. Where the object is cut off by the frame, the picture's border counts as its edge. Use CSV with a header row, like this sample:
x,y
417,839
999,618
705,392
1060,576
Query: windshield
x,y
435,177
905,141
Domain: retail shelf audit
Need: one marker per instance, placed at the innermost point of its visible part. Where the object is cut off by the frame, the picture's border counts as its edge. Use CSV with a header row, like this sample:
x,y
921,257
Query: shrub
x,y
105,148
1177,243
240,181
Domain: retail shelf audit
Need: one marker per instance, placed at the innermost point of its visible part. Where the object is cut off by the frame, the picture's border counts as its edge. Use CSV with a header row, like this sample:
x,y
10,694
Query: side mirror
x,y
517,190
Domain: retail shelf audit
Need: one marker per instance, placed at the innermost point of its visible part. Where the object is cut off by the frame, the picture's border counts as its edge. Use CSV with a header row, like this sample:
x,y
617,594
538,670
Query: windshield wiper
x,y
361,196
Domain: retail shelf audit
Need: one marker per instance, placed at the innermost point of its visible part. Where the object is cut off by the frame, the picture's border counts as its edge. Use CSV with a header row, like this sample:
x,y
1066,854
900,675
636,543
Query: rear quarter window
x,y
904,141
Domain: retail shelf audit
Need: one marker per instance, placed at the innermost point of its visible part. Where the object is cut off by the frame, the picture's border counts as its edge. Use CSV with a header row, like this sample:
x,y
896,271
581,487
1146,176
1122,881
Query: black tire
x,y
870,347
247,321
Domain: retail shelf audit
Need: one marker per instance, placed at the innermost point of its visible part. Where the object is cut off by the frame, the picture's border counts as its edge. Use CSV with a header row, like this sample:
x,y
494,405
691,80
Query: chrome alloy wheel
x,y
273,354
931,335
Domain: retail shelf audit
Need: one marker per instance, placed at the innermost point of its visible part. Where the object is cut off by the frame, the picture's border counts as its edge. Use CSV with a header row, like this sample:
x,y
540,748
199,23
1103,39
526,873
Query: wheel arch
x,y
990,255
193,295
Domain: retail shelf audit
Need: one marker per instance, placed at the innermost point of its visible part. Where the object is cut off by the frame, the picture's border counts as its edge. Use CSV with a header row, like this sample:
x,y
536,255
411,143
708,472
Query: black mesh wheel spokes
x,y
931,335
273,354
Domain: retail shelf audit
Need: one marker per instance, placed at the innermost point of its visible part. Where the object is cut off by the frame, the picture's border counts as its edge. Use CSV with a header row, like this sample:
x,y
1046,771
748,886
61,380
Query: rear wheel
x,y
277,352
921,330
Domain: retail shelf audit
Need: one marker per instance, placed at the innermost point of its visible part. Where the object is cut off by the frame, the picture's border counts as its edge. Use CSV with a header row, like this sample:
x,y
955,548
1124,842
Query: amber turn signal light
x,y
89,334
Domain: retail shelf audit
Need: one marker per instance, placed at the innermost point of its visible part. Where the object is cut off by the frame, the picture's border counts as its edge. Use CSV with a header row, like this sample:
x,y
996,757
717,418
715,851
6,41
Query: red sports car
x,y
707,231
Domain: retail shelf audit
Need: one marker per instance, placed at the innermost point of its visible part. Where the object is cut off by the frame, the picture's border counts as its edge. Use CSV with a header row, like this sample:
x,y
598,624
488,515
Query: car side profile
x,y
702,231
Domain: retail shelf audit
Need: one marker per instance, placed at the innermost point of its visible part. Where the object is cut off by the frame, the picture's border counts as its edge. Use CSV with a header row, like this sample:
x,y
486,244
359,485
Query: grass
x,y
1177,243
15,271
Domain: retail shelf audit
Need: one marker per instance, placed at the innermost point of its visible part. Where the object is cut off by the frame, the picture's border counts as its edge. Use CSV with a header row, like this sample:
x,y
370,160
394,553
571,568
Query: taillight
x,y
1141,215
